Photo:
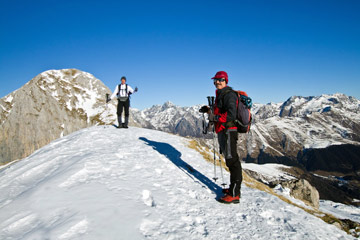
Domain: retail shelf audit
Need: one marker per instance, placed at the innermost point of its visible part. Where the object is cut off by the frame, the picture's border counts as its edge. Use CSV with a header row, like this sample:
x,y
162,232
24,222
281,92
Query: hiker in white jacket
x,y
123,92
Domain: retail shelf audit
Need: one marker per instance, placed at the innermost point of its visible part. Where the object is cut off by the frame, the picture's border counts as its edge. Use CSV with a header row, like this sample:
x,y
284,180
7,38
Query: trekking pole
x,y
222,175
212,99
211,104
106,102
215,177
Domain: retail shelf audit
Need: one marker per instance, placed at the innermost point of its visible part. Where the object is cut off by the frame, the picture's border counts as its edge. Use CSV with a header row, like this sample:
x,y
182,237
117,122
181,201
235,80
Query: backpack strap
x,y
227,91
126,90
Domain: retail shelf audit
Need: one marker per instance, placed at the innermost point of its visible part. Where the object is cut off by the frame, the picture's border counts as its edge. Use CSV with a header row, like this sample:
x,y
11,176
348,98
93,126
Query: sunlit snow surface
x,y
108,183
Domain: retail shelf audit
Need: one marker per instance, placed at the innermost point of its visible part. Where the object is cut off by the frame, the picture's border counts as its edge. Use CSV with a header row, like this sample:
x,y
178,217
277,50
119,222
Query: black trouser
x,y
228,145
123,105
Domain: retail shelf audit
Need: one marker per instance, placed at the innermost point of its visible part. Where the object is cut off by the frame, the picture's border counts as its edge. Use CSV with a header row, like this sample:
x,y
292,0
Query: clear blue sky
x,y
171,49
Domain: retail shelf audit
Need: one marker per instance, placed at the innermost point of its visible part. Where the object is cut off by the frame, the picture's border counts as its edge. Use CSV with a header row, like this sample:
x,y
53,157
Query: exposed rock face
x,y
53,104
302,190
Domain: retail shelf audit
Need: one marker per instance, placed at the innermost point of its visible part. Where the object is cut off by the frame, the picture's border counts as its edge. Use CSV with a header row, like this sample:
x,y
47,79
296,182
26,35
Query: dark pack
x,y
243,115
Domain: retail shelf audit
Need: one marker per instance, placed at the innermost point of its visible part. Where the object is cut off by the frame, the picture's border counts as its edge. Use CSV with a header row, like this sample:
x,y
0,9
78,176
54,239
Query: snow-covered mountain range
x,y
144,184
185,121
280,132
58,102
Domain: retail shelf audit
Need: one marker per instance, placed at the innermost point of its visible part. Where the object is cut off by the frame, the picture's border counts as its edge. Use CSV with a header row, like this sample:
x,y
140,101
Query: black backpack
x,y
243,115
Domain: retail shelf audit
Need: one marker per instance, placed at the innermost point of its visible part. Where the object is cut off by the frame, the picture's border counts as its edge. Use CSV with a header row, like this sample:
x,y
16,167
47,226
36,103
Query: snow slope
x,y
107,183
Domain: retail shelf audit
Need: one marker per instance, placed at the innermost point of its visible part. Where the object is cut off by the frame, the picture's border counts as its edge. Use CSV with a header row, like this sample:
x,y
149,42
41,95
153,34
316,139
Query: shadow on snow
x,y
175,157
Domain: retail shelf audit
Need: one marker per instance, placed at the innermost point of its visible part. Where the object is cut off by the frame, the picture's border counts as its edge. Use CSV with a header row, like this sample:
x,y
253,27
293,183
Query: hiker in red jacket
x,y
223,116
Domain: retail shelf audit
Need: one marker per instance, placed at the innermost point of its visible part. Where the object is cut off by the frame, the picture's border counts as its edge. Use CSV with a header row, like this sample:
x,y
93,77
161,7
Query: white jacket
x,y
122,92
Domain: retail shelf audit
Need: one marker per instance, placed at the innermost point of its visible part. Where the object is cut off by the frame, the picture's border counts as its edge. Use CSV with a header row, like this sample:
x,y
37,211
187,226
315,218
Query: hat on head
x,y
221,74
123,77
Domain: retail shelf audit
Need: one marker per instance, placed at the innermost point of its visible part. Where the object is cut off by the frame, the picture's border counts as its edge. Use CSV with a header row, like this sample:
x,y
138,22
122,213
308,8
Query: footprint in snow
x,y
147,198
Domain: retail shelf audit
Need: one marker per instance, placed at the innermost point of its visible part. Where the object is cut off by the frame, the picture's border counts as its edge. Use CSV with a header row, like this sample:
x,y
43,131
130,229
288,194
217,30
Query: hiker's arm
x,y
115,92
130,90
230,104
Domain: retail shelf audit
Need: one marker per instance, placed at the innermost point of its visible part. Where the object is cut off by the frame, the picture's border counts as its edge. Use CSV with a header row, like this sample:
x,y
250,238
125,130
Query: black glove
x,y
136,89
204,109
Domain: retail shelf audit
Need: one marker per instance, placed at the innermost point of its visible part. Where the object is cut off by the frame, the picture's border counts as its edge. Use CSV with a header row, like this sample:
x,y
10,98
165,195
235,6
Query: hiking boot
x,y
226,190
229,199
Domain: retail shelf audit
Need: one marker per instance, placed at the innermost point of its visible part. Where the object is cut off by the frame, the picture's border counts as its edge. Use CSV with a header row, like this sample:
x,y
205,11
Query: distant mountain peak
x,y
168,104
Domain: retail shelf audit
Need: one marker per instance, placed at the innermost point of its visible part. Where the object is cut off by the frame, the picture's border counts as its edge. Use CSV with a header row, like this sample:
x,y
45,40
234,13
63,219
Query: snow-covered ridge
x,y
101,187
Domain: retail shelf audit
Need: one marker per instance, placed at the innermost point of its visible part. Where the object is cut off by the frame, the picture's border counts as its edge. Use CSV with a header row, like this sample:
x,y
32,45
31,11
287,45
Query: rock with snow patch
x,y
301,189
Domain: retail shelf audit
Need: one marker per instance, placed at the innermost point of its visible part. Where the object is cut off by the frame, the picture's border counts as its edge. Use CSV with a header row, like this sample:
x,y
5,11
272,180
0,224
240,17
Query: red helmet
x,y
221,74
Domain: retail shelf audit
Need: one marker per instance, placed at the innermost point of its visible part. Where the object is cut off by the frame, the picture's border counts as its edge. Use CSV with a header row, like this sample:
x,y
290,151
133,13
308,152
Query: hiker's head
x,y
123,80
220,79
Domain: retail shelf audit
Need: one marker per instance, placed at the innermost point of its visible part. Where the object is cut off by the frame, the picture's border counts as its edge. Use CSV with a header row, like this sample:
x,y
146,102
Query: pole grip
x,y
209,100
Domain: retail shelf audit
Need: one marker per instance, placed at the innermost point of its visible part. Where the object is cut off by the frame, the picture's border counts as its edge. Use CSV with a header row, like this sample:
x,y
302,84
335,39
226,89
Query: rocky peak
x,y
53,104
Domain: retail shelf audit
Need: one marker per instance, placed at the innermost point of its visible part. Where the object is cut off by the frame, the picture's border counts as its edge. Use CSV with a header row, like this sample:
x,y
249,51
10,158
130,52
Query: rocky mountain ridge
x,y
301,123
185,121
58,102
279,130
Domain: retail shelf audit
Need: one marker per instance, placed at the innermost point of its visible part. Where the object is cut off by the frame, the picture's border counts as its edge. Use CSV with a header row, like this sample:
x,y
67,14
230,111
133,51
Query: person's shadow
x,y
175,157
